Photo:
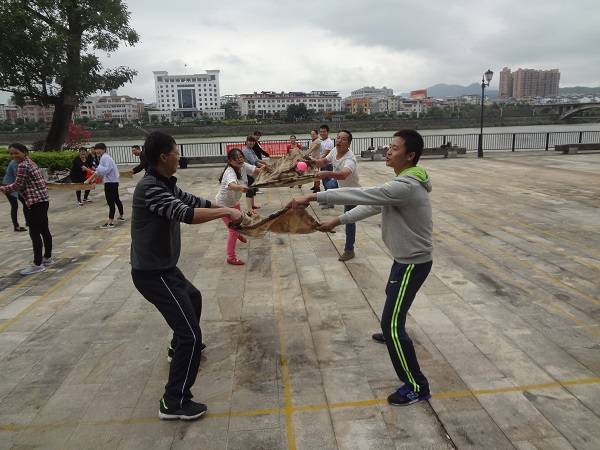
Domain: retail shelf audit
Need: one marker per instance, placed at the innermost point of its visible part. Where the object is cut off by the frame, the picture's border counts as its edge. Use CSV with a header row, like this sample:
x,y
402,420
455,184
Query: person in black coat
x,y
79,174
257,149
143,165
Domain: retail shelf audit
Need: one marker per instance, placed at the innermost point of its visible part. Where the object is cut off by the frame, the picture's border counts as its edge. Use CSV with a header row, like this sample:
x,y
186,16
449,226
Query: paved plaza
x,y
506,327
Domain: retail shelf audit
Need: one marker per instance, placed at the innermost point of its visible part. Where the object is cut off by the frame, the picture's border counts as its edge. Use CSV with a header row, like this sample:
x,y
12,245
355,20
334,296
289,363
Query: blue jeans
x,y
327,181
331,183
350,231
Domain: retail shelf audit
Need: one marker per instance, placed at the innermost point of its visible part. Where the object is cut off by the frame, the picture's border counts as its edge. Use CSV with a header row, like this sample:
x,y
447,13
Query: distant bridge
x,y
576,108
562,110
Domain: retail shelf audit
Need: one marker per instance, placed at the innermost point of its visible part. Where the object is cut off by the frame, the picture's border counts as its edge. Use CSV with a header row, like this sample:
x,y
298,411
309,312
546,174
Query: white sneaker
x,y
121,219
32,269
87,200
47,261
79,203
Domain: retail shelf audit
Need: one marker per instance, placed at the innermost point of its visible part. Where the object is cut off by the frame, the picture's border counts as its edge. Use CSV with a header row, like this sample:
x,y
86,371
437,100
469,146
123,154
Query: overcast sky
x,y
285,45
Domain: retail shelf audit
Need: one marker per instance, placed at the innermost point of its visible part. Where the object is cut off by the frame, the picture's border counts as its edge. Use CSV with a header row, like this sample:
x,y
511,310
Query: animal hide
x,y
283,172
286,220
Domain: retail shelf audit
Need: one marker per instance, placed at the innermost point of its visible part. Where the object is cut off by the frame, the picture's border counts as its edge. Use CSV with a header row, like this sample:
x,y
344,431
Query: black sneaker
x,y
378,337
405,396
171,352
189,411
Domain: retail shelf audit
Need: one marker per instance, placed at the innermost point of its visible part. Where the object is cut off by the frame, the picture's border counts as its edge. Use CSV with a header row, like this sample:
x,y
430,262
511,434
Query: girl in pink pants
x,y
234,182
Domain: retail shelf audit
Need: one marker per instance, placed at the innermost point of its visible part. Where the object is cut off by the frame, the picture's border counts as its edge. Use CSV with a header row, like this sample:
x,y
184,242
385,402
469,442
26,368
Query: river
x,y
447,131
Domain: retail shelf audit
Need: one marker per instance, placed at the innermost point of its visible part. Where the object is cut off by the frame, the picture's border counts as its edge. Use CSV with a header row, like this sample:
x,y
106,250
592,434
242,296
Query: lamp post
x,y
485,82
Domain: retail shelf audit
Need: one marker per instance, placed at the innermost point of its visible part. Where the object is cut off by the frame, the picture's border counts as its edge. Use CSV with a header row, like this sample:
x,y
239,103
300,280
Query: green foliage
x,y
297,113
57,160
48,53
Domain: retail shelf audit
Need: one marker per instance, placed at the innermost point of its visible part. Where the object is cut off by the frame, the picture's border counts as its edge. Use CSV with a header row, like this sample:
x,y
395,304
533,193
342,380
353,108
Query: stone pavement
x,y
506,326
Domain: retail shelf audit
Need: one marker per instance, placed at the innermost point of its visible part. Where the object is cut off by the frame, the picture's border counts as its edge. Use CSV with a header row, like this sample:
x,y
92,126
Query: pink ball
x,y
301,166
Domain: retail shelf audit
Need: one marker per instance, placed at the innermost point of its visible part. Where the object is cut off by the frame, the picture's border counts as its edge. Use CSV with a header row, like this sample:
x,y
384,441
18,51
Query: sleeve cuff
x,y
322,197
189,216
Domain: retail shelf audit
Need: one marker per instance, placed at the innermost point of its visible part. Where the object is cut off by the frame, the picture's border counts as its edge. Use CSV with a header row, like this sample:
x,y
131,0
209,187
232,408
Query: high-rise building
x,y
506,83
529,83
192,96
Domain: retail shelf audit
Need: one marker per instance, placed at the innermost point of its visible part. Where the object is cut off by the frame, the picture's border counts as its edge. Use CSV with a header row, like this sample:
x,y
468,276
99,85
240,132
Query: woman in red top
x,y
292,144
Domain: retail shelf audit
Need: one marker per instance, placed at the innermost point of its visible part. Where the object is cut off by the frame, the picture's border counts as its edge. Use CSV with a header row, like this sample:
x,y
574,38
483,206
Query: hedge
x,y
51,160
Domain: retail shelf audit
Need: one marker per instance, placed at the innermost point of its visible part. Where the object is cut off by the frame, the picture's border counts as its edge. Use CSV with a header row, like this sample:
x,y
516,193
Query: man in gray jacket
x,y
406,227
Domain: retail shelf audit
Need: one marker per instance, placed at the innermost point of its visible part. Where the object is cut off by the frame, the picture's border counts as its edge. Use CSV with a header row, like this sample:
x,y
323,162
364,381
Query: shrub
x,y
60,160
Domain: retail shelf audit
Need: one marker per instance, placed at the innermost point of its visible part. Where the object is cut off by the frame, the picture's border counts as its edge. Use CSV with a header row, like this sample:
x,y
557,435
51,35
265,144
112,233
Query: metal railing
x,y
495,142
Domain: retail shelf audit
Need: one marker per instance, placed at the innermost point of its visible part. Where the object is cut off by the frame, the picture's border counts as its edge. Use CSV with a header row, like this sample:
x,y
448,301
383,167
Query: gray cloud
x,y
290,45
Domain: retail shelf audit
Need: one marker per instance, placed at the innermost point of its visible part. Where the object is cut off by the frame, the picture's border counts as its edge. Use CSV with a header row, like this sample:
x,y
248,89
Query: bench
x,y
573,149
447,151
371,152
184,161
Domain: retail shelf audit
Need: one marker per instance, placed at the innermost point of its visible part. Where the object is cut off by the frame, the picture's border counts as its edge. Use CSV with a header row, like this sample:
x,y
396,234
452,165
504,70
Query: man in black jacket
x,y
159,206
143,165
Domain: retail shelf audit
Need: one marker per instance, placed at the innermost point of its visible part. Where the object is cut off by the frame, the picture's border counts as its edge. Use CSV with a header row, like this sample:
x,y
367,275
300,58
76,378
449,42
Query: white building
x,y
372,92
8,113
191,96
268,102
111,107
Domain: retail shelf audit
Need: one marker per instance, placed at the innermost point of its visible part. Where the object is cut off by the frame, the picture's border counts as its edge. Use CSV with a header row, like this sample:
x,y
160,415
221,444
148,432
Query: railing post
x,y
444,140
547,140
181,149
220,148
513,141
580,137
372,143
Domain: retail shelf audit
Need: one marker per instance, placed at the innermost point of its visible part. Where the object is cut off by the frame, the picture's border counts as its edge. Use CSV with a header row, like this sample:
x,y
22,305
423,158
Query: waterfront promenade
x,y
507,326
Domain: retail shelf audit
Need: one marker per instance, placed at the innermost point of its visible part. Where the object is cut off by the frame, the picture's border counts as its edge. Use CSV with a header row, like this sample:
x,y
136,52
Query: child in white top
x,y
234,182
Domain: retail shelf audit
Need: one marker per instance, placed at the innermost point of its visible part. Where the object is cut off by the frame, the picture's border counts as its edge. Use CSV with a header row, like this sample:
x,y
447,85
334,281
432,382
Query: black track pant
x,y
180,303
37,220
85,195
403,284
14,209
111,192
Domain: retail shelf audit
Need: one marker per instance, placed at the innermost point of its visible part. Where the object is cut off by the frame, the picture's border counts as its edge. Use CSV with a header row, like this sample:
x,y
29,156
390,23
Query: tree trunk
x,y
61,118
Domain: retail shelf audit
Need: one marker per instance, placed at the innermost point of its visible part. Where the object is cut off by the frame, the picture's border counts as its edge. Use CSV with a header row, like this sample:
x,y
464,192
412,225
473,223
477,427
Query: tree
x,y
296,113
231,110
47,53
77,136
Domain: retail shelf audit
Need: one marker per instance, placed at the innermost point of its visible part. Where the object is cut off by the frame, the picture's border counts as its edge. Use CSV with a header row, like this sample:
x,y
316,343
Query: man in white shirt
x,y
343,173
326,146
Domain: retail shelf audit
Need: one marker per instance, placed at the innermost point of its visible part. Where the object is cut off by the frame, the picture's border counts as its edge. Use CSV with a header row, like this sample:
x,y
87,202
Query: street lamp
x,y
485,82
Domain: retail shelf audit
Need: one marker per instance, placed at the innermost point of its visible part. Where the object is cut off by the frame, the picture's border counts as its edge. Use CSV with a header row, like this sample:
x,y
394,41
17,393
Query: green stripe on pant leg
x,y
395,338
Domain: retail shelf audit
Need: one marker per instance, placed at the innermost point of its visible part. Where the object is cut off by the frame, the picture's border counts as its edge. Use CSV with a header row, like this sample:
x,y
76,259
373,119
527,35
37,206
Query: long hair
x,y
230,157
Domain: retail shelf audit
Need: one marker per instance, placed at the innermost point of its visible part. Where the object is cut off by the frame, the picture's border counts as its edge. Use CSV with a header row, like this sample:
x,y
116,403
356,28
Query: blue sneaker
x,y
405,396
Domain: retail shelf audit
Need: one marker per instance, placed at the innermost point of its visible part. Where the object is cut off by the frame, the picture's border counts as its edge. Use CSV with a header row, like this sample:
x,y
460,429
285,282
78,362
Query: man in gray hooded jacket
x,y
406,228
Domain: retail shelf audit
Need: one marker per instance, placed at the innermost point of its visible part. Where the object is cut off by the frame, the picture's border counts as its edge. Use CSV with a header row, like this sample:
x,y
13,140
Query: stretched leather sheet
x,y
286,220
283,172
